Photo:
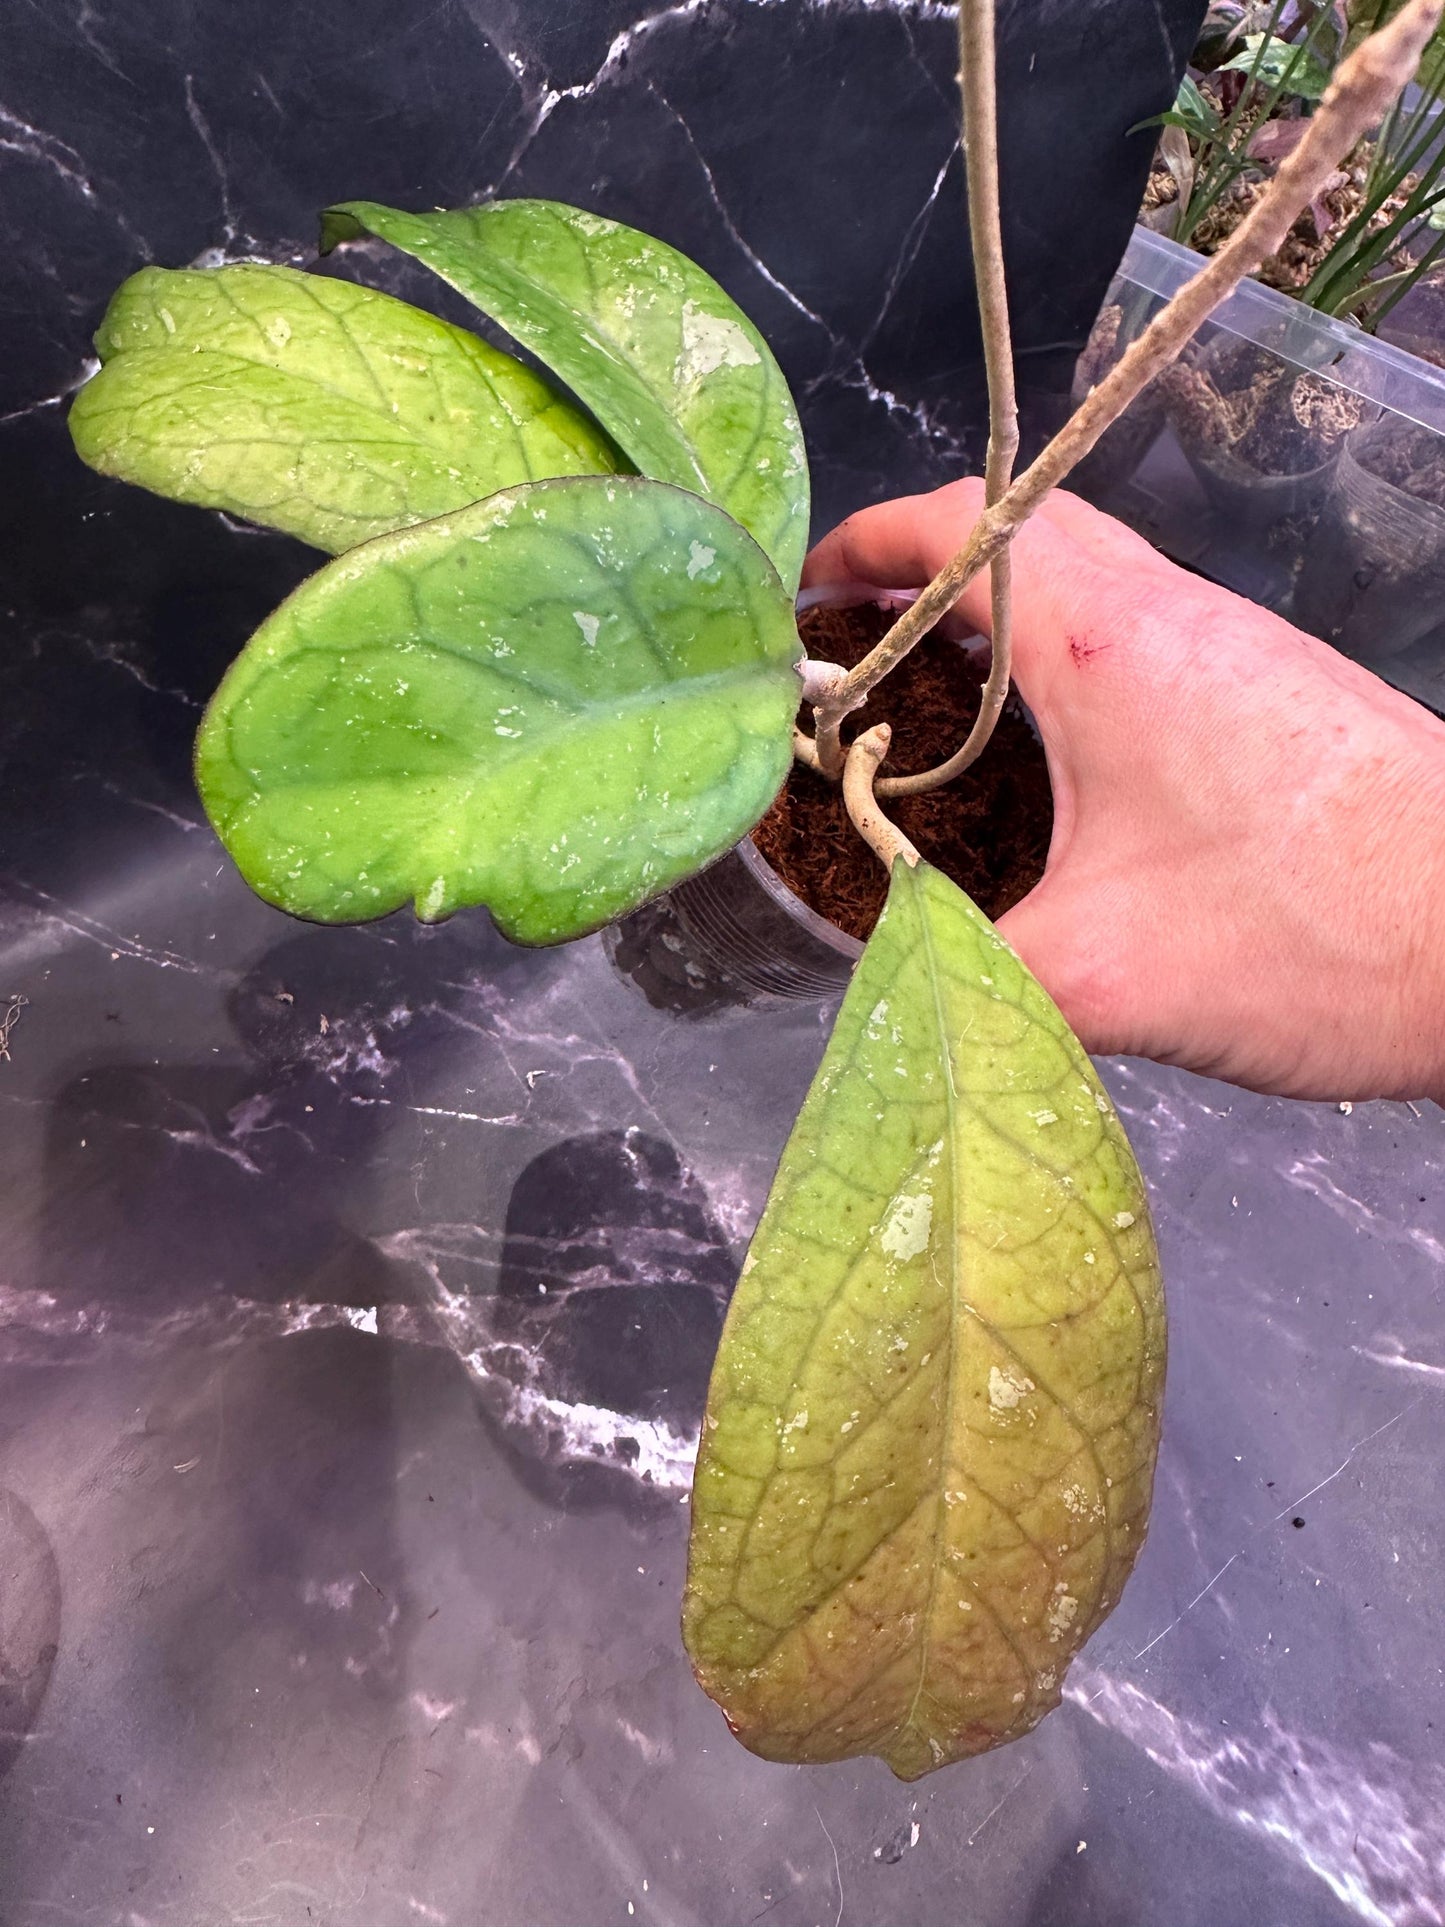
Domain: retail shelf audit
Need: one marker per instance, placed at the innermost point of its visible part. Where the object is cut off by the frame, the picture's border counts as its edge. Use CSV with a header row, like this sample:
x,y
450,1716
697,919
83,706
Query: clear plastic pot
x,y
748,925
742,921
1373,581
1255,498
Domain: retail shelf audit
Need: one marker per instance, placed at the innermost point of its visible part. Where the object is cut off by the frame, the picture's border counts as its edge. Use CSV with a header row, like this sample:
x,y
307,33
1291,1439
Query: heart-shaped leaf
x,y
929,1445
668,363
557,702
314,406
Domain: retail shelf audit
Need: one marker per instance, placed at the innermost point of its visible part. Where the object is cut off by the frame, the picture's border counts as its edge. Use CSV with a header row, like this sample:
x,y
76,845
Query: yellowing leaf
x,y
930,1436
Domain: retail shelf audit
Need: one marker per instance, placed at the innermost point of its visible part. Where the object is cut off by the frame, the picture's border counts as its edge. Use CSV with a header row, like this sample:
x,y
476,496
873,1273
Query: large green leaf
x,y
929,1445
315,406
556,702
666,361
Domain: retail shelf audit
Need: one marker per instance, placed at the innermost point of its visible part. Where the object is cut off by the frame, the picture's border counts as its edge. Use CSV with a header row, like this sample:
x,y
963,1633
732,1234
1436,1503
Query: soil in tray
x,y
988,829
1272,416
1411,458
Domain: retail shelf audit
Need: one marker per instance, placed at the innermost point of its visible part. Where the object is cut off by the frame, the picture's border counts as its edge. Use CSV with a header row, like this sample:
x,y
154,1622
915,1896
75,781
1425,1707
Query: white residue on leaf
x,y
1123,1220
699,557
710,342
1006,1388
278,331
1062,1611
907,1228
798,1422
430,902
588,624
1046,1117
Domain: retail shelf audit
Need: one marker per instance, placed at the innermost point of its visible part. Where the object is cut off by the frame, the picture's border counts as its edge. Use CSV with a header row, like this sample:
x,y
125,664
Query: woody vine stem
x,y
1364,87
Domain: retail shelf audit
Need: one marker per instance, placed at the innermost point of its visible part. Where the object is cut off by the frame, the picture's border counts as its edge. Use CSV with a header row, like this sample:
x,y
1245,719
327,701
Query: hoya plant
x,y
553,669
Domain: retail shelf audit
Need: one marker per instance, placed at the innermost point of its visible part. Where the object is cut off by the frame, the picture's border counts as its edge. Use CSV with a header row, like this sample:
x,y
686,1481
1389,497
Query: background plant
x,y
1261,72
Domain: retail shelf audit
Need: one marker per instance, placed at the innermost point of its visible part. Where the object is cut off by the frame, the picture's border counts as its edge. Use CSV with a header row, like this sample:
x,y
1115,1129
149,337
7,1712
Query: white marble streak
x,y
52,925
1310,1173
1371,1826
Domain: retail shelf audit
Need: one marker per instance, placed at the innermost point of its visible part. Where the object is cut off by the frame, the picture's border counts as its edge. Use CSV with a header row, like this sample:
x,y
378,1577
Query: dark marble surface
x,y
358,1289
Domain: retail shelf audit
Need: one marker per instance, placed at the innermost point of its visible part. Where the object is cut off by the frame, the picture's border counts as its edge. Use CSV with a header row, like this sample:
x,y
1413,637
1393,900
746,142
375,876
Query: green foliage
x,y
556,702
1365,16
1285,67
314,406
929,1444
1193,110
670,366
1363,274
1271,61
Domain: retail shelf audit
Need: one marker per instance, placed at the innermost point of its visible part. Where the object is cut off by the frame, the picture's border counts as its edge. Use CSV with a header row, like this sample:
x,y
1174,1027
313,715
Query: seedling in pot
x,y
554,669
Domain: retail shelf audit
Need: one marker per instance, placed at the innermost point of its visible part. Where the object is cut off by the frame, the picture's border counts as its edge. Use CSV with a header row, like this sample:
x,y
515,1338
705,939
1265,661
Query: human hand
x,y
1247,872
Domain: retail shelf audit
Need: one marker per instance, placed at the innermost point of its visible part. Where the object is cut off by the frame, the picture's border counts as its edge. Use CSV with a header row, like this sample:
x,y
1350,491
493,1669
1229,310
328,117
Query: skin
x,y
1247,872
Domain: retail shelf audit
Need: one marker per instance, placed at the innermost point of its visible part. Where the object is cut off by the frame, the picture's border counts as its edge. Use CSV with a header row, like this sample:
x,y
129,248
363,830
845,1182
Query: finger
x,y
1108,540
1067,605
904,543
900,544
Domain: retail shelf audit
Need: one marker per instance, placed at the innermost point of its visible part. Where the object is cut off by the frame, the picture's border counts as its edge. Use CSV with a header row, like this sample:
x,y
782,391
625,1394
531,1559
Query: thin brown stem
x,y
1364,86
884,839
978,78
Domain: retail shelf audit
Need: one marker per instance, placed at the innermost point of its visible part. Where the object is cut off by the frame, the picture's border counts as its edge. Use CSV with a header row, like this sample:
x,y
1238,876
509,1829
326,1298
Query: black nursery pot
x,y
1373,580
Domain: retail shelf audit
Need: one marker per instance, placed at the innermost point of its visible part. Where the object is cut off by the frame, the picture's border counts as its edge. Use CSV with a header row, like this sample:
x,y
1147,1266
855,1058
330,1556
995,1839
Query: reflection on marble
x,y
357,1287
1370,1830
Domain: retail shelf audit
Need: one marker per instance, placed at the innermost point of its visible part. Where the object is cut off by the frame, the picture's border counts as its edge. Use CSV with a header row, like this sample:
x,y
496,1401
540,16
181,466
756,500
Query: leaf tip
x,y
339,224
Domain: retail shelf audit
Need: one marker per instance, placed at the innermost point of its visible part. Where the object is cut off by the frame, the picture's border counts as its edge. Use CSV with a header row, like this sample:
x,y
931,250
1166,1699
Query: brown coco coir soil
x,y
988,829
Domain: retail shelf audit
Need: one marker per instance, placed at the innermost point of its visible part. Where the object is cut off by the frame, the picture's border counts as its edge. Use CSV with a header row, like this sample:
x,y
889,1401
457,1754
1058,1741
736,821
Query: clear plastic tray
x,y
1333,543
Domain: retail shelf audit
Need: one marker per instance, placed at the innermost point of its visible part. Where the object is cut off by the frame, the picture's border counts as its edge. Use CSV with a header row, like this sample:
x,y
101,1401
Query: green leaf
x,y
1275,62
926,1463
557,702
314,406
668,363
1193,110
